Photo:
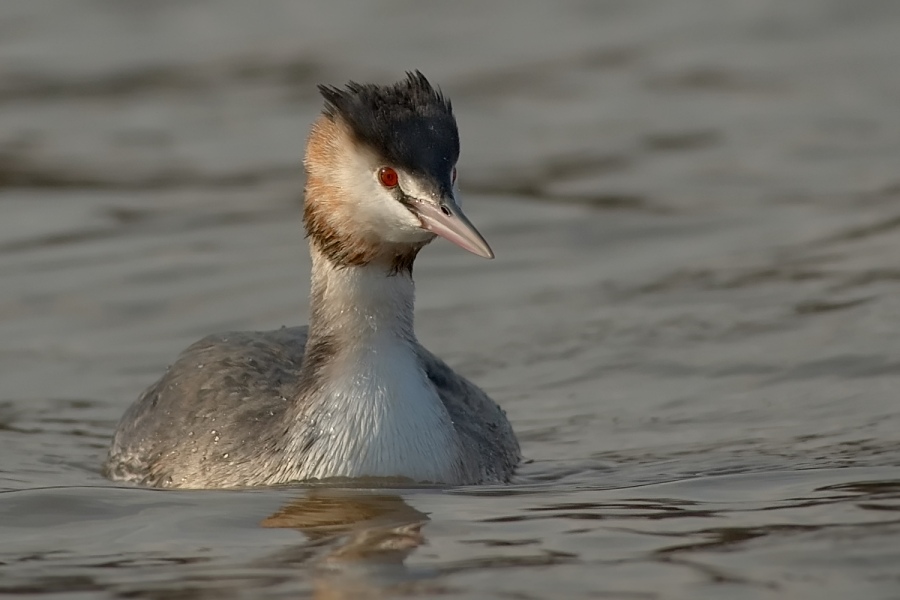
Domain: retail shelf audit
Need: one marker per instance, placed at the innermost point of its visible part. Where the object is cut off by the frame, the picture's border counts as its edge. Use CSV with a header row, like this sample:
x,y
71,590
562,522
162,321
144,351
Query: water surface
x,y
691,320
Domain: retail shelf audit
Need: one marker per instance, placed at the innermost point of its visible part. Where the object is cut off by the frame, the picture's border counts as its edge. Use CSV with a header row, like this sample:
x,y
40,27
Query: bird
x,y
353,394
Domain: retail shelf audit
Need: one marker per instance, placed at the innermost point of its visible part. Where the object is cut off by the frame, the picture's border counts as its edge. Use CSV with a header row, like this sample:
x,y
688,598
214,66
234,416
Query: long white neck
x,y
354,303
368,408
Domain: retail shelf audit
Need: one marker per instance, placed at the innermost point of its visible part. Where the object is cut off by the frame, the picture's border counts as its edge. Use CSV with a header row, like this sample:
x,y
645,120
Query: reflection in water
x,y
750,532
358,541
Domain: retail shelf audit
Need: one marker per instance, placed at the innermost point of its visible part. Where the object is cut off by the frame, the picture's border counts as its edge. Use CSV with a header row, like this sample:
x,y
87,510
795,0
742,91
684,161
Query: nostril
x,y
445,210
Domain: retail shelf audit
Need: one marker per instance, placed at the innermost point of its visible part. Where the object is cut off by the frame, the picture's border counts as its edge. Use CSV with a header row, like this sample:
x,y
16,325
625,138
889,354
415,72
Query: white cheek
x,y
376,209
392,221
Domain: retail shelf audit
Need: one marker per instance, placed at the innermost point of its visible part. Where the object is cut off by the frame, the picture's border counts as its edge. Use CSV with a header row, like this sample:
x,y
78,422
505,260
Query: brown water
x,y
693,319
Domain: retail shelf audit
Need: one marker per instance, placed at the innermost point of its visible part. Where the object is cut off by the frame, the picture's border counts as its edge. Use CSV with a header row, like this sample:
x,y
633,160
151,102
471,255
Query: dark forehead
x,y
409,124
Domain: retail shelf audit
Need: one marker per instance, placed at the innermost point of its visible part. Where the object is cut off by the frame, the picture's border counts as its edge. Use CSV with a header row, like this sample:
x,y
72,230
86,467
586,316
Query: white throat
x,y
375,412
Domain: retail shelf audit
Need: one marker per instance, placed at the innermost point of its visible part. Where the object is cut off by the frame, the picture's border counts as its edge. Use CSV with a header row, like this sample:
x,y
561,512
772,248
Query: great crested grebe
x,y
354,394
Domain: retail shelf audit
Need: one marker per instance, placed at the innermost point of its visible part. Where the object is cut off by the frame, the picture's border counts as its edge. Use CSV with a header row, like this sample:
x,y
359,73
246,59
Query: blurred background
x,y
692,319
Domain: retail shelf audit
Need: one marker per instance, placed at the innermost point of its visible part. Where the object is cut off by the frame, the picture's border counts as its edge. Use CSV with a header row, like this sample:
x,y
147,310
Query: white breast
x,y
379,416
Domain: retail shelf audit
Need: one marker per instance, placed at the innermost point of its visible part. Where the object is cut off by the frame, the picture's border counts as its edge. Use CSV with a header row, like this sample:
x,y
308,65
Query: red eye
x,y
388,177
453,175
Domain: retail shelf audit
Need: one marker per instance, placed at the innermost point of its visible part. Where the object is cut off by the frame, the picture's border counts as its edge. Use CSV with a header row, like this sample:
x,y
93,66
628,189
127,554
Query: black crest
x,y
410,124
